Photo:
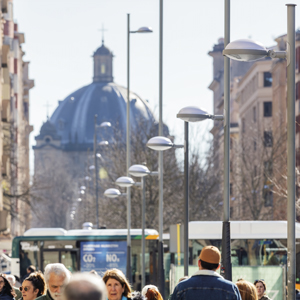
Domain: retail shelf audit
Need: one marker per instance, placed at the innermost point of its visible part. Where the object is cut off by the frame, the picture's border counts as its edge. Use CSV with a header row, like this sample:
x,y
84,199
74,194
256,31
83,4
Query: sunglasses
x,y
24,288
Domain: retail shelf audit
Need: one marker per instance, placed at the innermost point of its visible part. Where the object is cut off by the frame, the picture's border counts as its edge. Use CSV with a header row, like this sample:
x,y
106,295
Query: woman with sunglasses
x,y
33,286
6,290
261,288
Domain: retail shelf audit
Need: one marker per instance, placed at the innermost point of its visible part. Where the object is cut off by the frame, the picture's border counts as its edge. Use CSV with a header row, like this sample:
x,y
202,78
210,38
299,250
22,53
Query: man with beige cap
x,y
207,283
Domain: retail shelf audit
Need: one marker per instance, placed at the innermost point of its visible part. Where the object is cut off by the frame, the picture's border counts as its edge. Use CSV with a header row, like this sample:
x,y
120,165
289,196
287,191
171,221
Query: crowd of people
x,y
57,283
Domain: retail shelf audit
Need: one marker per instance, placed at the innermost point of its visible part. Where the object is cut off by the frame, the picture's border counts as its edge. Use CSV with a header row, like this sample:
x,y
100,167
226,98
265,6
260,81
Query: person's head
x,y
153,294
31,269
85,286
5,286
56,276
261,287
11,279
33,286
209,258
116,284
247,290
137,296
147,287
94,272
183,278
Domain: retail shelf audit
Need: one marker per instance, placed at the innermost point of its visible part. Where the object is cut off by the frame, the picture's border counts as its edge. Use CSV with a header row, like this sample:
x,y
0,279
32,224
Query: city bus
x,y
257,246
85,250
258,250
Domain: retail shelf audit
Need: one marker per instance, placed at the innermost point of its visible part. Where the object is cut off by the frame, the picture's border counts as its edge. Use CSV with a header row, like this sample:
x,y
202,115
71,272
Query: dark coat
x,y
6,297
45,297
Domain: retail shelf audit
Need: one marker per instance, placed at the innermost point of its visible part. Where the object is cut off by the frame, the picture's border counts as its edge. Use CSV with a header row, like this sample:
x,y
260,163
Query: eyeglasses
x,y
24,288
257,280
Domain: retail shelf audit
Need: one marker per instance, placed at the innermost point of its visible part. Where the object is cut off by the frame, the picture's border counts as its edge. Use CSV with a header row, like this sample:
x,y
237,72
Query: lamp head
x,y
138,171
193,114
144,29
159,143
112,193
125,181
245,50
105,124
103,143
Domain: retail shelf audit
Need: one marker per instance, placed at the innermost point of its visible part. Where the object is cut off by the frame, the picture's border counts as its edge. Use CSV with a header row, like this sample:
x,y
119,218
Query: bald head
x,y
85,286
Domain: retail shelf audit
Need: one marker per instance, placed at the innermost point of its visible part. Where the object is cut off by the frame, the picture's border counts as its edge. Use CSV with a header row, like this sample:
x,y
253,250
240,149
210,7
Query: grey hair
x,y
85,286
57,269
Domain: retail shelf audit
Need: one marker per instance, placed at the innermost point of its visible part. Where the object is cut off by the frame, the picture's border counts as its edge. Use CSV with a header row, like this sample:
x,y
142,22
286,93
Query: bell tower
x,y
103,58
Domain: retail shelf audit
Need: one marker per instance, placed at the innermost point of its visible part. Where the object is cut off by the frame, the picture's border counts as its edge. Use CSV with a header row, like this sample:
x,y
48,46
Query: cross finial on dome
x,y
102,33
47,107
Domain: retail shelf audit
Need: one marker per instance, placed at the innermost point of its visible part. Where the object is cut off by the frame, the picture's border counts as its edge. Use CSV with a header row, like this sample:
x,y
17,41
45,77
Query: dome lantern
x,y
103,65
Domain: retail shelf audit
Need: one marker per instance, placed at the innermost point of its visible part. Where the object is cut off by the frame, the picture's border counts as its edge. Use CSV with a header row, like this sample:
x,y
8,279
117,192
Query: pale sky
x,y
62,35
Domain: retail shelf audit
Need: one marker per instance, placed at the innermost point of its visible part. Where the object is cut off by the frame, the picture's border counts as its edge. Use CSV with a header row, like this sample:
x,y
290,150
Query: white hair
x,y
11,279
147,287
57,269
85,286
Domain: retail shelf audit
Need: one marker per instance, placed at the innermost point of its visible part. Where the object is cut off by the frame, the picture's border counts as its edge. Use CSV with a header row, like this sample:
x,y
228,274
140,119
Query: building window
x,y
268,139
254,145
102,68
254,114
267,79
255,171
268,109
297,90
230,189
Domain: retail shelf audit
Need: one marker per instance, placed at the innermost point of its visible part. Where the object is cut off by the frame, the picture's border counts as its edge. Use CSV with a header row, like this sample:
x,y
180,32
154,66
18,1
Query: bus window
x,y
29,255
50,257
69,259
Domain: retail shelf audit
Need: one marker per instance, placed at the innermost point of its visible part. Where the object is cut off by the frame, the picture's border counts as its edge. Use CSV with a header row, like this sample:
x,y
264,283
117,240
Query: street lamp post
x,y
140,30
142,171
186,199
104,124
246,50
226,246
160,143
96,171
189,114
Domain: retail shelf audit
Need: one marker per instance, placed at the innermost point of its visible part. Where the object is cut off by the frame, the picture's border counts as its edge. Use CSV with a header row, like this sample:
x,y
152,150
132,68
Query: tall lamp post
x,y
247,50
140,30
104,124
190,114
142,171
226,246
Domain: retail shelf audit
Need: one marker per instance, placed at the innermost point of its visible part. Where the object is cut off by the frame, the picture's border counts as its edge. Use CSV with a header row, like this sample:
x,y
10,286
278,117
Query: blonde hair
x,y
119,276
247,290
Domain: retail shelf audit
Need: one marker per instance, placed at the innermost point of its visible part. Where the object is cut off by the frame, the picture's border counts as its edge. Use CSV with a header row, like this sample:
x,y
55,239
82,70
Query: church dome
x,y
102,51
48,129
73,119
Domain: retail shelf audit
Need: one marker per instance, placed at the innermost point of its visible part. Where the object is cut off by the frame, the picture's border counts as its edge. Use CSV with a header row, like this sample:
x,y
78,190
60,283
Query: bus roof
x,y
86,232
241,230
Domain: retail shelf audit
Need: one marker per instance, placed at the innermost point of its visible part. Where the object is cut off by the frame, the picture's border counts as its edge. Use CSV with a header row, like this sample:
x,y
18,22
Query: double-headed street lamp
x,y
246,50
142,171
140,30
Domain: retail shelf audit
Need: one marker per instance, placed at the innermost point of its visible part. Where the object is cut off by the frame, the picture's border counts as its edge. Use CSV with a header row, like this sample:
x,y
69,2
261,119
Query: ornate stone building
x,y
14,129
257,132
